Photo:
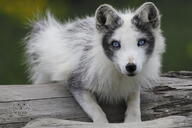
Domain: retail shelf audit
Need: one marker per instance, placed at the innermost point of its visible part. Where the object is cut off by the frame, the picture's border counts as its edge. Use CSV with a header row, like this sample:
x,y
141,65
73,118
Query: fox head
x,y
129,39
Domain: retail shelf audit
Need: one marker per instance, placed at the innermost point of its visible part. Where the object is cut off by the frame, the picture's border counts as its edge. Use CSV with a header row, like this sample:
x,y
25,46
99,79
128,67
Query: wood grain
x,y
20,104
168,122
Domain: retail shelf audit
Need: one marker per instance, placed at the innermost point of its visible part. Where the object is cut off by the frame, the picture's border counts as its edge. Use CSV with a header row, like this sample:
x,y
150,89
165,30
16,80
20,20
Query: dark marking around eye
x,y
106,45
147,30
151,44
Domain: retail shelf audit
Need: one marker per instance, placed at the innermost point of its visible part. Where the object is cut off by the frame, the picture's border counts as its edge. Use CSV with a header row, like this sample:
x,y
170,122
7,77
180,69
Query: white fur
x,y
59,53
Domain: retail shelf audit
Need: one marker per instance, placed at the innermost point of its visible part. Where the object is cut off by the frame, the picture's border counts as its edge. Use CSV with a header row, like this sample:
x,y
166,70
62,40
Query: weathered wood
x,y
168,122
179,74
20,104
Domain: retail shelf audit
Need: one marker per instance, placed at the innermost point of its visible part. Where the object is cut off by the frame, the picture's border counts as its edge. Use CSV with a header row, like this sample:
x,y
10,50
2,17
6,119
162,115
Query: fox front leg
x,y
133,112
89,104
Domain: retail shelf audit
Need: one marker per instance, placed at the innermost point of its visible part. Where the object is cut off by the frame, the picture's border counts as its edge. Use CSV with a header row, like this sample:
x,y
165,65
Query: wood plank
x,y
30,92
168,122
21,103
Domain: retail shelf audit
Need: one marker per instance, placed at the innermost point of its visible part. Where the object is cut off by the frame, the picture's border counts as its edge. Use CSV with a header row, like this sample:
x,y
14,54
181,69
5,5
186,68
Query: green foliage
x,y
14,15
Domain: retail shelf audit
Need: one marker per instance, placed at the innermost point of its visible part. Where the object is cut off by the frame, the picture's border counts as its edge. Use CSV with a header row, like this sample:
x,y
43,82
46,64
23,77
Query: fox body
x,y
112,54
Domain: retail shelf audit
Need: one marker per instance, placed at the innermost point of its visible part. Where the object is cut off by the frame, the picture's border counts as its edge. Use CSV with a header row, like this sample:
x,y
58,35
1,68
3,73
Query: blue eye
x,y
116,44
141,42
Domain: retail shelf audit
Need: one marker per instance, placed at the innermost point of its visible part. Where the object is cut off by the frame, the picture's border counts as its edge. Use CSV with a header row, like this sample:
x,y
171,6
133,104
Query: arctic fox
x,y
110,55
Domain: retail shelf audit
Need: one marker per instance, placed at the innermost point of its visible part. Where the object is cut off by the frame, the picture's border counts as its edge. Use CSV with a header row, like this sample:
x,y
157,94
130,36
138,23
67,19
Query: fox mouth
x,y
131,74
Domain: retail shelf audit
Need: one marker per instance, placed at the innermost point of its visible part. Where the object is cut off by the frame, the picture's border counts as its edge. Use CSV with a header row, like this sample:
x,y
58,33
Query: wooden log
x,y
168,122
20,104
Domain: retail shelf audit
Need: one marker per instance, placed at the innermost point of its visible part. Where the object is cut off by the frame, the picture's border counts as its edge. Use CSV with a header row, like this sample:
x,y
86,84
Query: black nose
x,y
131,67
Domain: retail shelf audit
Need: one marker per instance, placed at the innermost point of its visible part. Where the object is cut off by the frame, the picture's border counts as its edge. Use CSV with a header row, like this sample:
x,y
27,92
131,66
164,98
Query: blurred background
x,y
15,14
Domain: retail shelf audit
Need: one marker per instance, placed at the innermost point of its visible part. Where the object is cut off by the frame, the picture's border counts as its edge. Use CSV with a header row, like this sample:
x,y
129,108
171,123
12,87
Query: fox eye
x,y
141,42
116,44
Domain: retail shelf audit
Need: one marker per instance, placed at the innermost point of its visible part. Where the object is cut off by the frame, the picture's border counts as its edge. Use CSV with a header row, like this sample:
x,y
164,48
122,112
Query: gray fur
x,y
80,54
107,21
147,18
109,51
107,18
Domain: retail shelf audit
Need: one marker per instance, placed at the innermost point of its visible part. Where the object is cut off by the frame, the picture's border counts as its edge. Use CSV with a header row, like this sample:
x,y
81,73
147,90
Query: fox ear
x,y
107,18
147,14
